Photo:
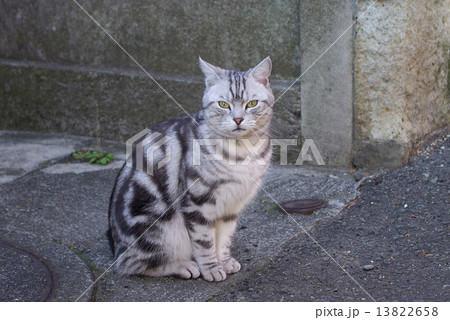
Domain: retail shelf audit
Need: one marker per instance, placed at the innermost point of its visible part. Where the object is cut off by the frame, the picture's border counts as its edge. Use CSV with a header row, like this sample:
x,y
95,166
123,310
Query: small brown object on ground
x,y
302,206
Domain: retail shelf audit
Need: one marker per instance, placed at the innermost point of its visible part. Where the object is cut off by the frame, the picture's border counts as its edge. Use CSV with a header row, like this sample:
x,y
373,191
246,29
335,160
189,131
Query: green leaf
x,y
104,160
94,157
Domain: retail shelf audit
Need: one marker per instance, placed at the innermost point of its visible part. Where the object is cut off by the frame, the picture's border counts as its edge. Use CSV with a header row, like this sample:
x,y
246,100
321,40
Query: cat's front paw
x,y
216,273
231,265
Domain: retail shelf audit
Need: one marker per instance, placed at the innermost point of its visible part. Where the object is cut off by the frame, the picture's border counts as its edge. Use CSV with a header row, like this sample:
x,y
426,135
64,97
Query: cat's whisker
x,y
276,133
255,133
270,130
267,133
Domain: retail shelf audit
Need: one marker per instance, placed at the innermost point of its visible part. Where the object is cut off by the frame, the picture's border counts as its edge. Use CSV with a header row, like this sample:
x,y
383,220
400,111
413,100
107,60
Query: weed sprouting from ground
x,y
93,157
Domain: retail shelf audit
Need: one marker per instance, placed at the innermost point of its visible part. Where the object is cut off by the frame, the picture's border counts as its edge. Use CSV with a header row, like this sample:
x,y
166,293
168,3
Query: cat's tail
x,y
110,240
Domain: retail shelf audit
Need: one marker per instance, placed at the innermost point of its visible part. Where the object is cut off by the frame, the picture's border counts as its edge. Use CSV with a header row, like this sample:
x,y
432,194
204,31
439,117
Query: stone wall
x,y
57,65
327,83
402,55
370,92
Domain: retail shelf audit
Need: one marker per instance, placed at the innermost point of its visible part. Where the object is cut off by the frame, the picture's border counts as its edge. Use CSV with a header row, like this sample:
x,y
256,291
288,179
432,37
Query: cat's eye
x,y
252,103
224,105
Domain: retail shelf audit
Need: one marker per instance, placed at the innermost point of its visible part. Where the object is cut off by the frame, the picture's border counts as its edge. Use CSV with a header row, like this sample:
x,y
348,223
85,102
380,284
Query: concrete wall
x,y
368,101
56,65
327,85
402,56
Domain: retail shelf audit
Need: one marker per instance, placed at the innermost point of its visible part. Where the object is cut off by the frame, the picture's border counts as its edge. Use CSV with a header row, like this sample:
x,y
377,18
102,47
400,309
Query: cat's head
x,y
238,104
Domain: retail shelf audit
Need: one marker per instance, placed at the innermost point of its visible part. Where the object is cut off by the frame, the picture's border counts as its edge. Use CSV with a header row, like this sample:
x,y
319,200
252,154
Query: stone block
x,y
327,86
56,98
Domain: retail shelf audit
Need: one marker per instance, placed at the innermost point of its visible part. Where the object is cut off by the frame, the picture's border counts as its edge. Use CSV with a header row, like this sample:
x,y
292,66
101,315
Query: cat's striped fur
x,y
179,221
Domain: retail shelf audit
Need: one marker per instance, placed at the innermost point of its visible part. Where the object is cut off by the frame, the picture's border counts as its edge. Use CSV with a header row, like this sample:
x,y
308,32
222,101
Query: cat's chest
x,y
237,188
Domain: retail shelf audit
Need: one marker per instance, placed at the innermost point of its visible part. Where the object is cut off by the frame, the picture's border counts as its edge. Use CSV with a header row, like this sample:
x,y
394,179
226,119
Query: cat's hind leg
x,y
180,269
177,247
167,256
156,265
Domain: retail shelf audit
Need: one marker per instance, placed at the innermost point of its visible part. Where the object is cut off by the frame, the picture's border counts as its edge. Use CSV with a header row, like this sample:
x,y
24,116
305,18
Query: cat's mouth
x,y
239,129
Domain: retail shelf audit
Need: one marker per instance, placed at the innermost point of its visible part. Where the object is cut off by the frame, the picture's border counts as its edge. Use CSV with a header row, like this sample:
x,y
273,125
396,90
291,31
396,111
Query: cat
x,y
180,219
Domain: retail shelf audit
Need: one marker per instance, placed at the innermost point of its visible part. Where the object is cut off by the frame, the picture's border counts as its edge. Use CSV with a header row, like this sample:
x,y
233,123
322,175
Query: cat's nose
x,y
238,120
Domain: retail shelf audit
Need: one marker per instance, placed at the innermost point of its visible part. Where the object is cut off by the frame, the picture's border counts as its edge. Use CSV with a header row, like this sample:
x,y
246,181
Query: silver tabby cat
x,y
180,220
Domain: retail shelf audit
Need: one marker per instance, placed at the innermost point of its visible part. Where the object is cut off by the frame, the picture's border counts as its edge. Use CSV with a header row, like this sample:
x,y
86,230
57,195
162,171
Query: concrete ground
x,y
388,232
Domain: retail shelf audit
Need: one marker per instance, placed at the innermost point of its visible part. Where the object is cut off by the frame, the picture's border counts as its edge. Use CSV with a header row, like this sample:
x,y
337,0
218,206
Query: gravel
x,y
391,244
368,267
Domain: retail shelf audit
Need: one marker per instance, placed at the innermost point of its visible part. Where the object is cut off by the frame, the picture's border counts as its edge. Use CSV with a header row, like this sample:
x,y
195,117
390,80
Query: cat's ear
x,y
262,71
212,73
